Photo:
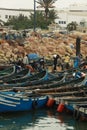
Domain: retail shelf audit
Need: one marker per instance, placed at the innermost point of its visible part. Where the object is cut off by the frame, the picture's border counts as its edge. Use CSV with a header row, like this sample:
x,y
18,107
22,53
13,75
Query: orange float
x,y
50,102
60,107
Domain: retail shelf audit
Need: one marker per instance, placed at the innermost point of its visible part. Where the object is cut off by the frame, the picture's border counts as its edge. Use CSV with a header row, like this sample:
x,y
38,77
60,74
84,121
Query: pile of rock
x,y
44,46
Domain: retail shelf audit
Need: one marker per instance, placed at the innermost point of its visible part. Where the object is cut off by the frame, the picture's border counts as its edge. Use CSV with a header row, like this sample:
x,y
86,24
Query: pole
x,y
34,15
78,39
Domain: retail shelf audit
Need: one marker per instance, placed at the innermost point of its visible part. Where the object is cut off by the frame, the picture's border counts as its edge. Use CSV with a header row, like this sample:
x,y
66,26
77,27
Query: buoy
x,y
30,68
50,102
60,107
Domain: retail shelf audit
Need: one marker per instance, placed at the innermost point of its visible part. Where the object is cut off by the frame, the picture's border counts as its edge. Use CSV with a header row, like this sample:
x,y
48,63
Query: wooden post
x,y
78,39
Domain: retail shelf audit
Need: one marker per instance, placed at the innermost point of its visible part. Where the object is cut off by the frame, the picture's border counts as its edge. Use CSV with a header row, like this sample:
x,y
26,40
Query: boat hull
x,y
10,102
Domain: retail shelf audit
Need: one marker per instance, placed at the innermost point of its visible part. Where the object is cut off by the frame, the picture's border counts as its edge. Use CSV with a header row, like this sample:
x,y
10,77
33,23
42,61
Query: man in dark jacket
x,y
55,58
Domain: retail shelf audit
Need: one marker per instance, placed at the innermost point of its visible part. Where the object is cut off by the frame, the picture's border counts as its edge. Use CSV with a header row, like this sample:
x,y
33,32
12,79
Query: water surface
x,y
40,120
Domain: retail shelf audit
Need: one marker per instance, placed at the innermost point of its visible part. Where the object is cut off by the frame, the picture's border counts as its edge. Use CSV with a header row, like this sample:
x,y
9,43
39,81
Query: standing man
x,y
76,62
25,59
55,58
42,62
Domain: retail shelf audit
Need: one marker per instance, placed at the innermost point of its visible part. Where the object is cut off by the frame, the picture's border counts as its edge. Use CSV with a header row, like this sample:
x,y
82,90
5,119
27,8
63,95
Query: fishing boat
x,y
61,84
73,99
7,72
78,106
34,78
21,74
11,102
4,67
52,87
37,78
30,77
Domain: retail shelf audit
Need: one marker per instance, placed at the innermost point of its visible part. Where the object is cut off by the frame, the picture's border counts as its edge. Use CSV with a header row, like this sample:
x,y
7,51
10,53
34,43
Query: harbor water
x,y
40,120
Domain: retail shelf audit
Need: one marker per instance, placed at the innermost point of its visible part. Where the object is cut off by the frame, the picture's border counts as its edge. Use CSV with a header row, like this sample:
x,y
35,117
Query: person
x,y
26,63
78,74
30,68
25,60
41,61
19,65
60,63
35,65
55,59
76,62
85,63
66,61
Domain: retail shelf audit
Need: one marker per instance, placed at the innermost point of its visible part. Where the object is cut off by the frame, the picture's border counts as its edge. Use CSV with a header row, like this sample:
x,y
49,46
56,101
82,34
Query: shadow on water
x,y
40,120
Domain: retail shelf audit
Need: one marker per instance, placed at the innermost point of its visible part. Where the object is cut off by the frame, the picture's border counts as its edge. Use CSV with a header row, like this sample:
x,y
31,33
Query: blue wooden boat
x,y
53,85
80,112
78,107
66,87
11,101
24,73
7,72
5,68
36,79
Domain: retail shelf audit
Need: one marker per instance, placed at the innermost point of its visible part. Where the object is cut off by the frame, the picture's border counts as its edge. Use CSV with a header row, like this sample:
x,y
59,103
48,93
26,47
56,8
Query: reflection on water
x,y
40,120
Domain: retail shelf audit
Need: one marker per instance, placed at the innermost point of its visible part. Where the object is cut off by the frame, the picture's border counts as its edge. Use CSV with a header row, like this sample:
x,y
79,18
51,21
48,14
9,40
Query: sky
x,y
29,4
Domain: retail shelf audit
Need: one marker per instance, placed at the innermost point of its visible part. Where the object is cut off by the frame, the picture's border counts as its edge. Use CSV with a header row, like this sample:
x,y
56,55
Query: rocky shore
x,y
44,46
